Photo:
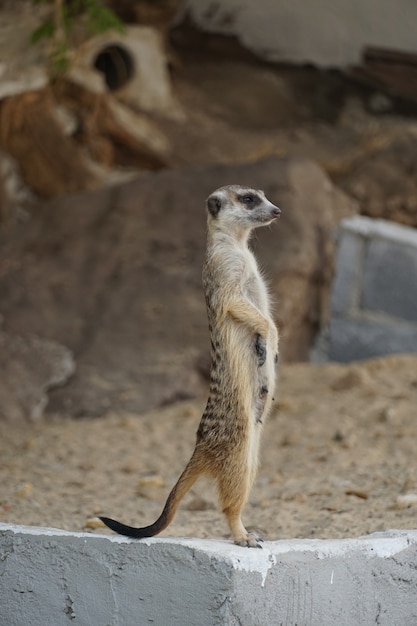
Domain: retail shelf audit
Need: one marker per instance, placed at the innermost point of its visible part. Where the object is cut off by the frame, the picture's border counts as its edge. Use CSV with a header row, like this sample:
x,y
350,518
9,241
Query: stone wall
x,y
327,34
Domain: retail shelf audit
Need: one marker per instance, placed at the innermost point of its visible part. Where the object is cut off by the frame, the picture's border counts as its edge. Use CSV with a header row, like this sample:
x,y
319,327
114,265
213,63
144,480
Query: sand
x,y
339,459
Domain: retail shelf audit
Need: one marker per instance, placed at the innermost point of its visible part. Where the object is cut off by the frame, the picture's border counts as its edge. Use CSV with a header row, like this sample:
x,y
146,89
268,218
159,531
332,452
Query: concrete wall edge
x,y
384,543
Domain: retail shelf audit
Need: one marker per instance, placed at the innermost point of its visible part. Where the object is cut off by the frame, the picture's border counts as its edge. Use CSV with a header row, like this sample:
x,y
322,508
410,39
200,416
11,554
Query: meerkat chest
x,y
254,285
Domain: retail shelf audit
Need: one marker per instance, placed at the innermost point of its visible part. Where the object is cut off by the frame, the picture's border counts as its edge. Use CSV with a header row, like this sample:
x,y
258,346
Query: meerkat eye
x,y
248,199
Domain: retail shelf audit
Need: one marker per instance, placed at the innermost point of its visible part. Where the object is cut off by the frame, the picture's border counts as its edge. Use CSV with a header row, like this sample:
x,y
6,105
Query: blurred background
x,y
117,120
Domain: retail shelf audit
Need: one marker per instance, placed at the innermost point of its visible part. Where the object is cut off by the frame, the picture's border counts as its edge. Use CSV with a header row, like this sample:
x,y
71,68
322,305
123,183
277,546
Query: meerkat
x,y
244,353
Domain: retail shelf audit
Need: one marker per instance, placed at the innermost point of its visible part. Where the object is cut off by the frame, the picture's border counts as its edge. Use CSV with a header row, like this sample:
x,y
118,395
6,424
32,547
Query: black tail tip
x,y
117,527
105,520
127,531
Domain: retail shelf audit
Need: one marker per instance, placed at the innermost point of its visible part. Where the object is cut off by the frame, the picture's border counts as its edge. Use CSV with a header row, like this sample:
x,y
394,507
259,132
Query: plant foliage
x,y
97,17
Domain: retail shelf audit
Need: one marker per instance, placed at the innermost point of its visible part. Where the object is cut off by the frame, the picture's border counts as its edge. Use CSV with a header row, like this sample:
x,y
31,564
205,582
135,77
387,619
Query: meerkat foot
x,y
240,535
260,349
251,541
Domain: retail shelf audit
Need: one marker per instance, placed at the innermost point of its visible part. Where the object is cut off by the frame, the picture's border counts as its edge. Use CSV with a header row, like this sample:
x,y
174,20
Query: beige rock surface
x,y
115,275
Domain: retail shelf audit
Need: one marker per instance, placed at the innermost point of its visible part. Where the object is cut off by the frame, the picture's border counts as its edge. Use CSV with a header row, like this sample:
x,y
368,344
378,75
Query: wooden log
x,y
51,163
387,55
391,71
55,162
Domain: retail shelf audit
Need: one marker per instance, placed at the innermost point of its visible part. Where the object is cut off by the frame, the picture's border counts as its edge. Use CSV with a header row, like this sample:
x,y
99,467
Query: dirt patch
x,y
338,460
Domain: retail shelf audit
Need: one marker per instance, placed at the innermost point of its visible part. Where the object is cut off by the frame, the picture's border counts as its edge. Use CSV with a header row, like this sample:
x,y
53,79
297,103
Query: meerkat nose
x,y
276,212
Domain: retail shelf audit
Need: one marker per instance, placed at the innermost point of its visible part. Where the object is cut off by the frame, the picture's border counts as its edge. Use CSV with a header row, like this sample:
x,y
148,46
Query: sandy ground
x,y
338,459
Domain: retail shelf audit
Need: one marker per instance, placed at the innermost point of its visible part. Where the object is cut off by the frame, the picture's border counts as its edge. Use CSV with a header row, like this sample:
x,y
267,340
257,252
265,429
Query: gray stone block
x,y
356,339
390,279
374,294
54,578
382,229
345,291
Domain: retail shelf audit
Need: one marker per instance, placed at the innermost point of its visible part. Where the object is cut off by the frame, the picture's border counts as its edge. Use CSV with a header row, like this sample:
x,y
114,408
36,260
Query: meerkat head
x,y
241,207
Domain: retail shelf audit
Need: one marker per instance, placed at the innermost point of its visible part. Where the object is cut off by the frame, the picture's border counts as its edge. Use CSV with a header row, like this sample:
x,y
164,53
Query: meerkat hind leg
x,y
233,499
241,536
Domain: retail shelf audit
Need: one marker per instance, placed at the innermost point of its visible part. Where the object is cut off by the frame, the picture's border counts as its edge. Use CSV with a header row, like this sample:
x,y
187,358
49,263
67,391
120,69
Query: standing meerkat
x,y
244,352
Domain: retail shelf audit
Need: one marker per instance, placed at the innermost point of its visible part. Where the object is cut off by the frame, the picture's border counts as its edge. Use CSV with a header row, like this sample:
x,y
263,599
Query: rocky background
x,y
113,275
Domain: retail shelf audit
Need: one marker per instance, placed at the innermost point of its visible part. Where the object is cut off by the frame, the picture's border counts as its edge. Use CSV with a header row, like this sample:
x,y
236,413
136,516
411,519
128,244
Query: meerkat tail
x,y
184,484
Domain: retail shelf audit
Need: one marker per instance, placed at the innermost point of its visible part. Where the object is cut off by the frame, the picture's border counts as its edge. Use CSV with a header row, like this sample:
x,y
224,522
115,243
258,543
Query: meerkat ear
x,y
214,204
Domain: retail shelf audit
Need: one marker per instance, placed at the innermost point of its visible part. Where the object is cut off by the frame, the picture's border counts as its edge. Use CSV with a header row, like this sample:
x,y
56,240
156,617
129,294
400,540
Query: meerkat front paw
x,y
263,392
260,349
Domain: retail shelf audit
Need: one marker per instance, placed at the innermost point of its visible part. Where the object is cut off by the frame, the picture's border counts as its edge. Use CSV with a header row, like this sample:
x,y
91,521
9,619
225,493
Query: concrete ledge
x,y
52,577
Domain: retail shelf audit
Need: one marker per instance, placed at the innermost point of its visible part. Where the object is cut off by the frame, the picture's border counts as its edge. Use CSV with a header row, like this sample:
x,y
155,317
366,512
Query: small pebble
x,y
25,490
199,504
404,501
355,377
358,493
155,480
94,522
148,486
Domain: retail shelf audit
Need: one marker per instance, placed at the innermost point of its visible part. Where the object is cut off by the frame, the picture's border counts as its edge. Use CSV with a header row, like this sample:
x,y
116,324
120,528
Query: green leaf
x,y
100,19
60,59
45,31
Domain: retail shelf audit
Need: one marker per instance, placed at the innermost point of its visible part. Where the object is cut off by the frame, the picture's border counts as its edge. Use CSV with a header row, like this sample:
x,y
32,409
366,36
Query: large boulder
x,y
382,176
30,367
115,276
